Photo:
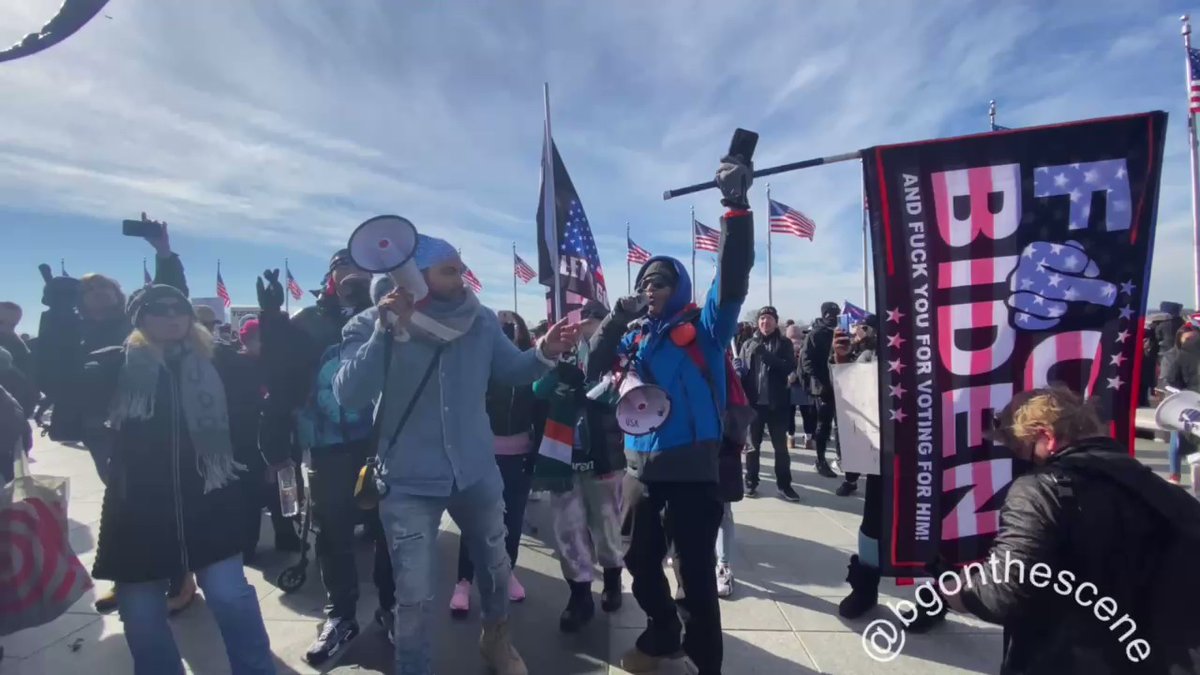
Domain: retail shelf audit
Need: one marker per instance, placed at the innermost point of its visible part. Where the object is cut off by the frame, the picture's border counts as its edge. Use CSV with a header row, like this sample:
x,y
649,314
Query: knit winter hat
x,y
828,308
433,251
342,257
768,311
151,294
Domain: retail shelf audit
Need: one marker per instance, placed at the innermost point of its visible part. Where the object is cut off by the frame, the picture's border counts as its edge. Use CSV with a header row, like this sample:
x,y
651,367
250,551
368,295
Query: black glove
x,y
734,178
59,293
632,306
270,295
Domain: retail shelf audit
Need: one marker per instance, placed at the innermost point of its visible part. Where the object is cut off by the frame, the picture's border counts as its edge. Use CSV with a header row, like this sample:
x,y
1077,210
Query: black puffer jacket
x,y
814,361
156,522
1100,515
766,379
510,409
1183,370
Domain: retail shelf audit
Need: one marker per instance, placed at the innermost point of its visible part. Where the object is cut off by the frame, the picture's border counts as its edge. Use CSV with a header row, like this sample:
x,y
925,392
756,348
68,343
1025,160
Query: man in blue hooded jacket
x,y
671,491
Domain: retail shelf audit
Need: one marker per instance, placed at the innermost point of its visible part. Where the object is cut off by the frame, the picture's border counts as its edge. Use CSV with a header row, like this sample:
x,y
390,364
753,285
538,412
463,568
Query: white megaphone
x,y
385,245
641,408
1181,412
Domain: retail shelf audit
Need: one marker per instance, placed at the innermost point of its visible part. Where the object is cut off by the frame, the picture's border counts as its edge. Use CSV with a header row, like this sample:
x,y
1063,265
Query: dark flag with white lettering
x,y
581,277
1003,262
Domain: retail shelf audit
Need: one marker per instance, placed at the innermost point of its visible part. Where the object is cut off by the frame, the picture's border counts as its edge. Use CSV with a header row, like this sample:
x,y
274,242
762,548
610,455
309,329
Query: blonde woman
x,y
172,503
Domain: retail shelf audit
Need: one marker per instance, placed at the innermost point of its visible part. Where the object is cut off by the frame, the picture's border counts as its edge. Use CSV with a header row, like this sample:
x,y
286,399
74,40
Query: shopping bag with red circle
x,y
40,576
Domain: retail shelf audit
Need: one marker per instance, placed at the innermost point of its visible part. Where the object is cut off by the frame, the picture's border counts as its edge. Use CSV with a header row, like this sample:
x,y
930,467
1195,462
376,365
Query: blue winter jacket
x,y
685,448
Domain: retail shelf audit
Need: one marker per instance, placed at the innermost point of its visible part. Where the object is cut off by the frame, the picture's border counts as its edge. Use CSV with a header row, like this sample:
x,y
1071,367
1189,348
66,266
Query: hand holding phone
x,y
152,231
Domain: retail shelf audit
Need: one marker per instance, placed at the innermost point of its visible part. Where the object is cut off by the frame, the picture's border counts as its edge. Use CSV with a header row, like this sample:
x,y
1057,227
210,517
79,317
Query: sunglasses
x,y
653,285
167,309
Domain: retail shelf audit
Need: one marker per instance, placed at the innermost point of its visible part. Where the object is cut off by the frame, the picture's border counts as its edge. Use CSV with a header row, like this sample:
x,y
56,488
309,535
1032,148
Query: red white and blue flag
x,y
293,287
786,220
1193,80
580,274
522,269
222,292
1004,263
705,238
472,280
637,255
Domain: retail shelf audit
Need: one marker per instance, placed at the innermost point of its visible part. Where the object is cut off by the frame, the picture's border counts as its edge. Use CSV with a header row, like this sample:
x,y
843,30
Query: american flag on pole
x,y
522,269
1194,80
637,255
705,238
786,220
222,292
293,287
472,280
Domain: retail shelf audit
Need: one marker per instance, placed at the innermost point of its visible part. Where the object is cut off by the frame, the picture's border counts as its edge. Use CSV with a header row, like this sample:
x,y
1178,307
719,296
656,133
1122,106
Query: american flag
x,y
147,280
1193,80
472,280
293,287
786,220
222,292
637,255
705,238
579,245
522,269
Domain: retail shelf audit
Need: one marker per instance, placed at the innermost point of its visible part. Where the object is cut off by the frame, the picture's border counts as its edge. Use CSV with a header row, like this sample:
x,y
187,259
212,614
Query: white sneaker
x,y
724,581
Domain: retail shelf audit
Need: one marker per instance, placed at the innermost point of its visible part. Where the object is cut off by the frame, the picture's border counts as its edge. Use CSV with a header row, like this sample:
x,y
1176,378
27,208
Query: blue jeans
x,y
234,604
1173,459
410,523
725,536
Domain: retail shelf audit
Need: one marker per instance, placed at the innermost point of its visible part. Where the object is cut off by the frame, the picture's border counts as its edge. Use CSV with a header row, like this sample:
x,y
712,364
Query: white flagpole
x,y
550,208
287,291
1186,31
770,271
693,228
628,274
992,114
865,229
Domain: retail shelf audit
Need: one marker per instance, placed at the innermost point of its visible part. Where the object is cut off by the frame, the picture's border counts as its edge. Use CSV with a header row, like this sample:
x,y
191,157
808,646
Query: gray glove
x,y
734,178
632,306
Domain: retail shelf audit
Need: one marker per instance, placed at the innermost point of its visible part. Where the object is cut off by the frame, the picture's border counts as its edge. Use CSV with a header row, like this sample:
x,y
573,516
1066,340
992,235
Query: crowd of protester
x,y
401,411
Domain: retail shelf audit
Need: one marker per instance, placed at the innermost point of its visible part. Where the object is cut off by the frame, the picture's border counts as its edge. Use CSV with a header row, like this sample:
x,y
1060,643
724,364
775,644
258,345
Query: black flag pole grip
x,y
770,171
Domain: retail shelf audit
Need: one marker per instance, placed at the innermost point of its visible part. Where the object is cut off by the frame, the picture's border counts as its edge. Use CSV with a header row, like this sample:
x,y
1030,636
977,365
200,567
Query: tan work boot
x,y
187,593
498,652
107,602
637,662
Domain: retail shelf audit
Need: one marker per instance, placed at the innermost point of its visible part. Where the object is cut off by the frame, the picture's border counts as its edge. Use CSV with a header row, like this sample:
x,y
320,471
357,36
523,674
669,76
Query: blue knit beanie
x,y
433,251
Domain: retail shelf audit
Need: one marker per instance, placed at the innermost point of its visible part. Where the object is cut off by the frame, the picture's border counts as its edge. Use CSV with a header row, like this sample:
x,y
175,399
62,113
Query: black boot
x,y
580,607
823,468
864,589
610,597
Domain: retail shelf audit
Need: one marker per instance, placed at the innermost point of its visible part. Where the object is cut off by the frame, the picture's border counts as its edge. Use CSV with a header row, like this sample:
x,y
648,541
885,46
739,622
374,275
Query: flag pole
x,y
1186,31
515,278
550,208
62,266
693,254
628,278
992,114
865,227
770,274
287,292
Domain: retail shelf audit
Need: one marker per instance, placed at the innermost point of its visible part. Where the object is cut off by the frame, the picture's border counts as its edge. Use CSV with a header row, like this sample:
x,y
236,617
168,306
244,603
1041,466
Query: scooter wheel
x,y
291,579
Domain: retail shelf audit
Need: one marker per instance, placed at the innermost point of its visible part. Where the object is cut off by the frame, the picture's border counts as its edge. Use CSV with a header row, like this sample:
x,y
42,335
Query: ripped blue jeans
x,y
411,525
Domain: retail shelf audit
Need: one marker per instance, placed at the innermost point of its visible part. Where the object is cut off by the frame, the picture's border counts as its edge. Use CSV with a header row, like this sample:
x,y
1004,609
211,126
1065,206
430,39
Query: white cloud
x,y
269,122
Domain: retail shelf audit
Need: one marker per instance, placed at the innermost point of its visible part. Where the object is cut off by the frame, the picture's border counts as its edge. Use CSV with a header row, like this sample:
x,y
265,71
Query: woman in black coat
x,y
172,502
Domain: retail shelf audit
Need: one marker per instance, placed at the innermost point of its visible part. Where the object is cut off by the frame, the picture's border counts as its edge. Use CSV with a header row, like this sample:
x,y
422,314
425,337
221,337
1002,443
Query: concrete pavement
x,y
790,564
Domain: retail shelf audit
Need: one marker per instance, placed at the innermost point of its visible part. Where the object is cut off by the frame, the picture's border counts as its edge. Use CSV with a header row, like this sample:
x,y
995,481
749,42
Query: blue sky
x,y
264,130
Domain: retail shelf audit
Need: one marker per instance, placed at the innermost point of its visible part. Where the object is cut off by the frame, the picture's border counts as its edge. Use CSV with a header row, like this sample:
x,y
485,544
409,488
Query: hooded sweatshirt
x,y
685,447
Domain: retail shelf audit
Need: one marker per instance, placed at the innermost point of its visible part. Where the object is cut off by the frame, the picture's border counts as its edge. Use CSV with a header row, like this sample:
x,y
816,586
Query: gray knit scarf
x,y
442,321
202,397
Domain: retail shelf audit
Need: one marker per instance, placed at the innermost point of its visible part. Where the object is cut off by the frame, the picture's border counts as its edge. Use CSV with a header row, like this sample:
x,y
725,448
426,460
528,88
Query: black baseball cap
x,y
768,310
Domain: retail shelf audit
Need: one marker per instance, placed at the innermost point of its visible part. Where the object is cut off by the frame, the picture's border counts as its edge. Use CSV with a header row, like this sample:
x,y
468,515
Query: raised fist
x,y
1051,276
633,305
734,177
270,294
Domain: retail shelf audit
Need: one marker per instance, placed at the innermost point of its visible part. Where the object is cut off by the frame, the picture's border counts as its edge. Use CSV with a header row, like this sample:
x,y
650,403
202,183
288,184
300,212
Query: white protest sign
x,y
856,393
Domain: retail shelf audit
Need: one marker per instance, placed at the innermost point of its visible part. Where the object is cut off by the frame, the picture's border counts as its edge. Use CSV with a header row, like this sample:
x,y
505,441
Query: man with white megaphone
x,y
435,445
671,489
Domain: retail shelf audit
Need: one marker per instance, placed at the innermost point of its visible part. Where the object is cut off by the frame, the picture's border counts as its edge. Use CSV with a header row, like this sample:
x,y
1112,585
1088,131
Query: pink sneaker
x,y
460,600
516,592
